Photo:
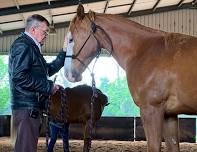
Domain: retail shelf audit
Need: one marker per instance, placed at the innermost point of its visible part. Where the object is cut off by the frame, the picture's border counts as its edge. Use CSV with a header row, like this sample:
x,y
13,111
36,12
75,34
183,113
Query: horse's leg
x,y
152,118
87,136
171,135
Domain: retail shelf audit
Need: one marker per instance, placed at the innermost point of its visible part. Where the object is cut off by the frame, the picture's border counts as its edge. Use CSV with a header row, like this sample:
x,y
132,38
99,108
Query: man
x,y
28,73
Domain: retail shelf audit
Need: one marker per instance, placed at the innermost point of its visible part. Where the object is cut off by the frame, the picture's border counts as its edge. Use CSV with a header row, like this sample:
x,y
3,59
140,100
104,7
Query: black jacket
x,y
28,72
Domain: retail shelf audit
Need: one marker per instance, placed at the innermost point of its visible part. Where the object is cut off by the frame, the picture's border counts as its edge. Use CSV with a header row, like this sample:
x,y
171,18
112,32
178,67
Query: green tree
x,y
121,102
104,84
3,67
4,87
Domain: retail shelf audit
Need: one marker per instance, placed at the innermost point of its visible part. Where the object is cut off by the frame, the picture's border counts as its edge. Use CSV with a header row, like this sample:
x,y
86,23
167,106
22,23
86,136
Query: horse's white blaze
x,y
68,60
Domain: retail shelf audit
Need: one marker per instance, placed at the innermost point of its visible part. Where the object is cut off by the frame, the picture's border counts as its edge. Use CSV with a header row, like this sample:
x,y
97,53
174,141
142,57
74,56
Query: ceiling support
x,y
194,2
130,9
51,16
18,8
106,6
158,10
50,13
17,4
49,2
155,6
180,3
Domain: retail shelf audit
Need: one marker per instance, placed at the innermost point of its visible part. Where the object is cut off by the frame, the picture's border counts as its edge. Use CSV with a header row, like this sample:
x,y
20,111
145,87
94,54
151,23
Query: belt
x,y
34,113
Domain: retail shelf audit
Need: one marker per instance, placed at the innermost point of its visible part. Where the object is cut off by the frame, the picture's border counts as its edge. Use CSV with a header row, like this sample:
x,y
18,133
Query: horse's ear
x,y
80,12
91,15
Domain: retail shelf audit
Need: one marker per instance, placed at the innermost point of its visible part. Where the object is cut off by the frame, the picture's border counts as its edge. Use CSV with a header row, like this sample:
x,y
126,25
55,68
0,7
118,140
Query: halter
x,y
94,28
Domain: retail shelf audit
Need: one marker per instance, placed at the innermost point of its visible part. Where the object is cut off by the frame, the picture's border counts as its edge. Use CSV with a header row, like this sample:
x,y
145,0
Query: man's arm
x,y
58,63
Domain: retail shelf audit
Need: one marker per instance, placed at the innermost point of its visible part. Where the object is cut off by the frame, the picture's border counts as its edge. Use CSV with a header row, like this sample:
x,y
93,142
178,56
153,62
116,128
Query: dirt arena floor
x,y
98,146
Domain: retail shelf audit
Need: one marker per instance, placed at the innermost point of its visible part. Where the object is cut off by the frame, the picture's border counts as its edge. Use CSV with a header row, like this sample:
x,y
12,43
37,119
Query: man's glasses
x,y
44,32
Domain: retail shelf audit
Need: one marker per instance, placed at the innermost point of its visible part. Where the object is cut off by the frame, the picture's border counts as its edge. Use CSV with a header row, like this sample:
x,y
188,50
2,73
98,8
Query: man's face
x,y
41,32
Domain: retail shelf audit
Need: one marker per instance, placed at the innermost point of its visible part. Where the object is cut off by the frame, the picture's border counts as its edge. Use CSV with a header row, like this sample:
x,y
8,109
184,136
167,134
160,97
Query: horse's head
x,y
84,43
102,98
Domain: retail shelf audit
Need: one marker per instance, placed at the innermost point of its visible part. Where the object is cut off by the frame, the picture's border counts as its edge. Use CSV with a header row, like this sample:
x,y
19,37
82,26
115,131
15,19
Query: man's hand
x,y
55,88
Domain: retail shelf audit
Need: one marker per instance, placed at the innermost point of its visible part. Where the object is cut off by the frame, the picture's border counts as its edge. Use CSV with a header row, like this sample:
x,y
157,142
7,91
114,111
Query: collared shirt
x,y
37,43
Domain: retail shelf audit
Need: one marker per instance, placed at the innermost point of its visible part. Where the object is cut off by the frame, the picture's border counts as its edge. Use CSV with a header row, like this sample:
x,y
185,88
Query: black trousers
x,y
27,131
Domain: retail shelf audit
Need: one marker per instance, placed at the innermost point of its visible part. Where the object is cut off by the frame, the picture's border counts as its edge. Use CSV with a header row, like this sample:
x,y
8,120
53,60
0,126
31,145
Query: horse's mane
x,y
174,38
129,22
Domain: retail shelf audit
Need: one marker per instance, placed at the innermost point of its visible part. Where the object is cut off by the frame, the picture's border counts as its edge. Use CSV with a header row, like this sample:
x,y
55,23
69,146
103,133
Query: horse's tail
x,y
12,131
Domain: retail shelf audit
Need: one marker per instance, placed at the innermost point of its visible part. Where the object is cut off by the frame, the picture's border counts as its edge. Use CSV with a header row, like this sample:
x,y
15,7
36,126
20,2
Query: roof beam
x,y
180,3
130,9
50,13
17,4
18,7
51,16
194,2
155,6
49,2
106,6
158,10
42,6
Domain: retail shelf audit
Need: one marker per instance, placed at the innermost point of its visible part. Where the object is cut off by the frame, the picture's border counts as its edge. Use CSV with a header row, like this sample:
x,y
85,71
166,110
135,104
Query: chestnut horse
x,y
161,68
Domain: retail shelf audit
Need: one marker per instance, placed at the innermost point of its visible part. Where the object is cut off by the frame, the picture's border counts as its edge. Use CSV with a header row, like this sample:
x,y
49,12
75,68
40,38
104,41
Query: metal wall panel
x,y
5,43
181,21
54,43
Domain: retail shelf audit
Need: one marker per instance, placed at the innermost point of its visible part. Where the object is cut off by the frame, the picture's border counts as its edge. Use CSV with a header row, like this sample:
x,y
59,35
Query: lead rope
x,y
47,123
92,102
47,119
64,106
92,110
93,98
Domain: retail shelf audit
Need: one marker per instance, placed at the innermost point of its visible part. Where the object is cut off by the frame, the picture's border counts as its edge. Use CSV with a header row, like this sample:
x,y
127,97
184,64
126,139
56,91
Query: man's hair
x,y
35,20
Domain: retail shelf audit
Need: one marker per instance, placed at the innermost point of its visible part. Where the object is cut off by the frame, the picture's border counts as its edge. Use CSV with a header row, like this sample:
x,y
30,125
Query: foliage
x,y
3,68
121,102
4,88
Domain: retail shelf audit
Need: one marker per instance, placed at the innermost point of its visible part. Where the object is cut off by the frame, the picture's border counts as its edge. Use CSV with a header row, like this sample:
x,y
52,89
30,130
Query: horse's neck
x,y
127,37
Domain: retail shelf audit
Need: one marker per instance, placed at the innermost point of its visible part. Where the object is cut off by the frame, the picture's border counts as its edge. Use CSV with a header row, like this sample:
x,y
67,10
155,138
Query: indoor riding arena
x,y
120,125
